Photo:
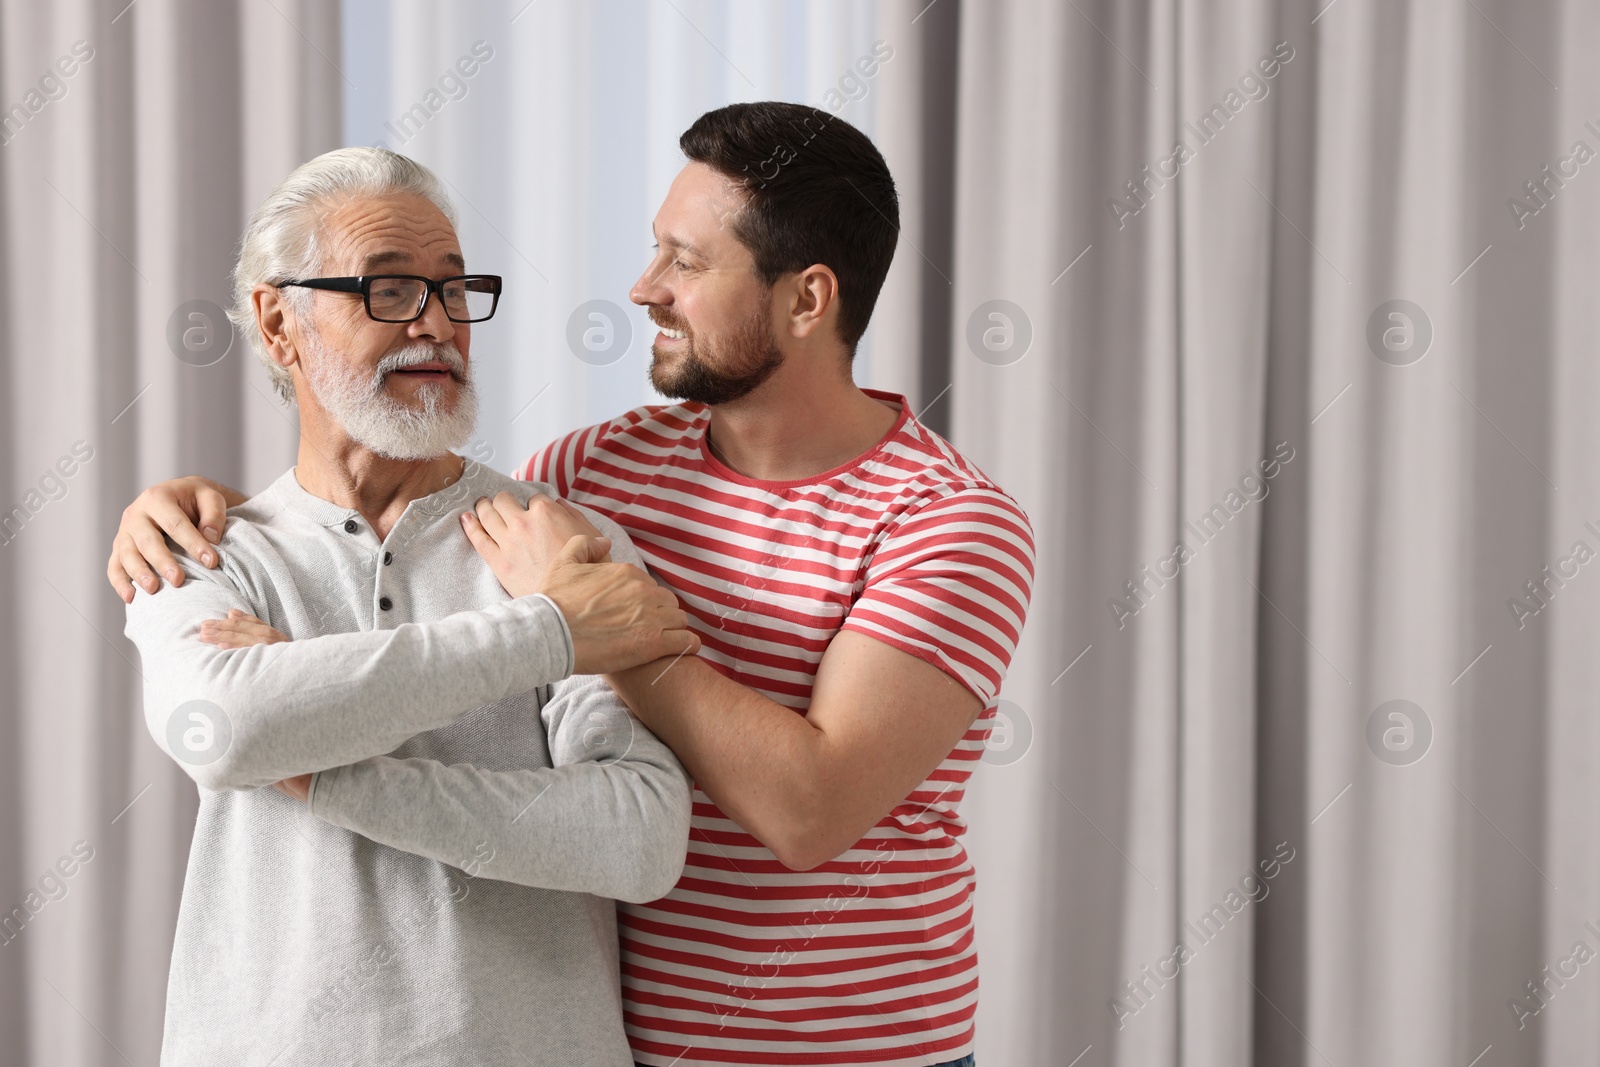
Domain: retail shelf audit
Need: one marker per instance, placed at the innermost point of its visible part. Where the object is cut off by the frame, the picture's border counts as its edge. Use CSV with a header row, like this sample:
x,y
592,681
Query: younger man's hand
x,y
518,543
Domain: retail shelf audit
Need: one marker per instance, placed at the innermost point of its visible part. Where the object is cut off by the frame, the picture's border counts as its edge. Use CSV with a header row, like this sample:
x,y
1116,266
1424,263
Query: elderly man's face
x,y
718,340
403,390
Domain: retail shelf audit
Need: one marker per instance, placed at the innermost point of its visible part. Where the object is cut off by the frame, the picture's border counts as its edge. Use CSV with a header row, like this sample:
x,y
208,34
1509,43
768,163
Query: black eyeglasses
x,y
403,297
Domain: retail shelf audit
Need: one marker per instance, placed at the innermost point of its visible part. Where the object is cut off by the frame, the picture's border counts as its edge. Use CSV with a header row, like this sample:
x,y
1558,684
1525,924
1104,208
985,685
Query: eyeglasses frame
x,y
363,284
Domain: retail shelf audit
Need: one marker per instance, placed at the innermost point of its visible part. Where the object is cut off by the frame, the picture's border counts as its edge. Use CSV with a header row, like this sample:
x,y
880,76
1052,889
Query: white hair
x,y
281,241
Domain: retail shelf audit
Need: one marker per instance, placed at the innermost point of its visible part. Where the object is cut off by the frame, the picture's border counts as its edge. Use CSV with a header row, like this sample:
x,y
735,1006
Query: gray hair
x,y
281,241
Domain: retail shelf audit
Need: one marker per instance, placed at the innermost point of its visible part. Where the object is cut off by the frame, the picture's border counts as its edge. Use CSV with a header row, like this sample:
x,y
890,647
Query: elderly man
x,y
444,896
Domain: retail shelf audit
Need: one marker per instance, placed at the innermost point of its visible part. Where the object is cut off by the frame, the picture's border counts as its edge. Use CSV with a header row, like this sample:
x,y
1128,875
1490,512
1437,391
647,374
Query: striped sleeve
x,y
559,462
951,585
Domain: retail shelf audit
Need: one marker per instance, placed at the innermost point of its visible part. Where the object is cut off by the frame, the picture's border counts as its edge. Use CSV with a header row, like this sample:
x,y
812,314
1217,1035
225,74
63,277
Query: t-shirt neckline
x,y
722,470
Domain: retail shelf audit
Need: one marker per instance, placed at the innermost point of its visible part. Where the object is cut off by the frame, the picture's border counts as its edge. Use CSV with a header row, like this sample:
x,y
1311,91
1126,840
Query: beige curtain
x,y
137,137
1424,860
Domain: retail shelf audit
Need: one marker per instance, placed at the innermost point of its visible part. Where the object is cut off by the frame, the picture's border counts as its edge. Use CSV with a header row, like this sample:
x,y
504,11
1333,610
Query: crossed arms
x,y
609,818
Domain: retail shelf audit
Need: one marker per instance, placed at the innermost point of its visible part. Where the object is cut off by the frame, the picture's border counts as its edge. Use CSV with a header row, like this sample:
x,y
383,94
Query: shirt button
x,y
350,526
385,603
388,558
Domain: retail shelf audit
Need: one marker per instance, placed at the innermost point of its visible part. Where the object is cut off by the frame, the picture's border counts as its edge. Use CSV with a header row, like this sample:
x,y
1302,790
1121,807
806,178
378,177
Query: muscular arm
x,y
611,817
808,787
272,711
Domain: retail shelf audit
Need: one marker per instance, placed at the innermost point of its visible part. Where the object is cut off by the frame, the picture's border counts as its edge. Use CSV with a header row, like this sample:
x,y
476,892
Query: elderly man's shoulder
x,y
272,507
252,542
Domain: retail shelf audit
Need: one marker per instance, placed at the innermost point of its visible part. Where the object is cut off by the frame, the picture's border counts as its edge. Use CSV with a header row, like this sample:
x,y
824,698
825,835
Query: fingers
x,y
508,507
227,639
660,604
239,630
581,549
147,551
559,514
213,516
481,541
141,535
298,787
177,523
674,637
131,560
140,551
679,642
579,517
492,521
118,575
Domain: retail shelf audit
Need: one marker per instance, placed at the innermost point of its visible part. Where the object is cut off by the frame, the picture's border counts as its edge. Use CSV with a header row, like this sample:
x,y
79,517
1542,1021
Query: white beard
x,y
385,425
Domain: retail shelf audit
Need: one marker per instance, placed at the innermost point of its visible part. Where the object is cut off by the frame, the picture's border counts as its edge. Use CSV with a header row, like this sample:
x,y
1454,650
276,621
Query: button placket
x,y
385,558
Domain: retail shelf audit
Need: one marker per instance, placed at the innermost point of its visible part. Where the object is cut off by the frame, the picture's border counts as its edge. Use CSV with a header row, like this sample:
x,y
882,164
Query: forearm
x,y
763,764
615,830
299,706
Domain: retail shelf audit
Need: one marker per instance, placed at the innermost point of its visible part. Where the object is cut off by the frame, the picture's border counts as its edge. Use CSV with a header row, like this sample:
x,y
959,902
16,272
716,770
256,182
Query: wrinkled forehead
x,y
393,233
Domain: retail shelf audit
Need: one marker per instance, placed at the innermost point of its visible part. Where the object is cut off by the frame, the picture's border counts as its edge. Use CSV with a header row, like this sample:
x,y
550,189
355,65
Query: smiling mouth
x,y
674,335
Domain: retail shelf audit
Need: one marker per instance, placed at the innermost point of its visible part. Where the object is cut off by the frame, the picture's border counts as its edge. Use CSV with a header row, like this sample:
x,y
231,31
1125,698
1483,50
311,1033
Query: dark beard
x,y
756,357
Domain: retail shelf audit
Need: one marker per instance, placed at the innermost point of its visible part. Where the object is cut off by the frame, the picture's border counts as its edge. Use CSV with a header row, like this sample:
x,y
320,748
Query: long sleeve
x,y
611,817
243,718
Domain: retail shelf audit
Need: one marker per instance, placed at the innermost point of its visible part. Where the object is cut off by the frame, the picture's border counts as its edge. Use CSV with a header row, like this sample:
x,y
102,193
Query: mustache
x,y
667,322
423,352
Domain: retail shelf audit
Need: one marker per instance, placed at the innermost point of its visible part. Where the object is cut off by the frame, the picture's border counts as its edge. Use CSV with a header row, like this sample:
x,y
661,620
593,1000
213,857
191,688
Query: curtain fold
x,y
1352,666
126,183
911,342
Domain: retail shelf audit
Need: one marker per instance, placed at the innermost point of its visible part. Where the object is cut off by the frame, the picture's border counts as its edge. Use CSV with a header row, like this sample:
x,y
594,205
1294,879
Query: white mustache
x,y
413,355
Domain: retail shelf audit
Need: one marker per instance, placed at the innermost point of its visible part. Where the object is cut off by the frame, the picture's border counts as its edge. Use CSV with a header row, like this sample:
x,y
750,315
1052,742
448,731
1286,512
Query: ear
x,y
814,300
275,319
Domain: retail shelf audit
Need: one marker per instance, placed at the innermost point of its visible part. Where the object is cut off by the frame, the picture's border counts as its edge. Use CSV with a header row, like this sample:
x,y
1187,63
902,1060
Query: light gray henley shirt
x,y
447,896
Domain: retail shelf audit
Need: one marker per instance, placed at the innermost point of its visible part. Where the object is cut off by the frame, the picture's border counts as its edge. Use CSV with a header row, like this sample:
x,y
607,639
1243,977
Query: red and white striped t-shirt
x,y
868,959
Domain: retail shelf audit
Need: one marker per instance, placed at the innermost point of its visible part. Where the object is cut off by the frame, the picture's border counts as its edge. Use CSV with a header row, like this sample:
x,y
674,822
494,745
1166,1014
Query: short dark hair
x,y
818,191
